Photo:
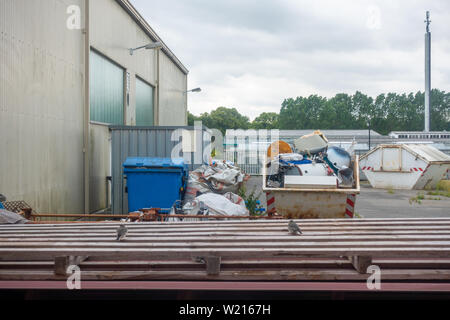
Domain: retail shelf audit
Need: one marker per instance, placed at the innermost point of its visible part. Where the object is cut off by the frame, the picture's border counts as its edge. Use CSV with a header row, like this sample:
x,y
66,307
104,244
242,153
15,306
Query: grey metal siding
x,y
41,105
141,142
172,94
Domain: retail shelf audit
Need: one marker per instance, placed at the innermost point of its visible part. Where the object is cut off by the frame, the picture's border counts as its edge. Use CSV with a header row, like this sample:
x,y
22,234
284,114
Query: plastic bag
x,y
222,205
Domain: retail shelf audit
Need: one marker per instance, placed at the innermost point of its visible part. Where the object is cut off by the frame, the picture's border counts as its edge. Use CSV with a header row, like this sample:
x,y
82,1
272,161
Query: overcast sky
x,y
252,54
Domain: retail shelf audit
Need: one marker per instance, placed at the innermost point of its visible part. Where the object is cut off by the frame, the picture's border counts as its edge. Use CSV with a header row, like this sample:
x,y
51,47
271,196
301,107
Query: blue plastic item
x,y
304,161
154,182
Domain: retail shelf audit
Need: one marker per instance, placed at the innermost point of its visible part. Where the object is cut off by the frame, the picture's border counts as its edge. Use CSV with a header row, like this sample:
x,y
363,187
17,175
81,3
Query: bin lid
x,y
154,162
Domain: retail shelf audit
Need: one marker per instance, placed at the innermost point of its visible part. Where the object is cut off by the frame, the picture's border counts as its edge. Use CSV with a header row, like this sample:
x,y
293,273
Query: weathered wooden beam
x,y
233,239
234,275
41,254
210,243
212,265
222,224
361,263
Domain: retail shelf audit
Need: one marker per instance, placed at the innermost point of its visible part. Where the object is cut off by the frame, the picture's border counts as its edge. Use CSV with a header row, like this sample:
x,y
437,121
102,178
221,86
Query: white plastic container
x,y
405,166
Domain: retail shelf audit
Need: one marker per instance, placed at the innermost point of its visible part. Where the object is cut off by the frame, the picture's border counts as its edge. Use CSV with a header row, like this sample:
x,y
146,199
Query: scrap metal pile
x,y
309,163
212,190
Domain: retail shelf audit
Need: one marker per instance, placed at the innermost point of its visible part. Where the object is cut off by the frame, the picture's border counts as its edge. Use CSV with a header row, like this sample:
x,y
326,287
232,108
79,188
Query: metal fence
x,y
247,148
158,142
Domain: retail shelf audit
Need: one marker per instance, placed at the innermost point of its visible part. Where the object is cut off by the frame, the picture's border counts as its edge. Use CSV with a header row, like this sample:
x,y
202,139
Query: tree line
x,y
386,113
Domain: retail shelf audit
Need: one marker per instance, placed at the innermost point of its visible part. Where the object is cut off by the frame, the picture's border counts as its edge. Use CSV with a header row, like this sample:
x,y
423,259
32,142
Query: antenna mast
x,y
427,72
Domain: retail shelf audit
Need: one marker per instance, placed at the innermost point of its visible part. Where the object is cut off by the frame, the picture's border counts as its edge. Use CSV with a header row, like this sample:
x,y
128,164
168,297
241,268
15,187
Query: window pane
x,y
144,104
106,90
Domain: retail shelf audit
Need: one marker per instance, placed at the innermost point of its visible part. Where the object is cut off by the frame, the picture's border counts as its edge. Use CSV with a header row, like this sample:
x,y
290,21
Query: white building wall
x,y
42,95
173,96
41,105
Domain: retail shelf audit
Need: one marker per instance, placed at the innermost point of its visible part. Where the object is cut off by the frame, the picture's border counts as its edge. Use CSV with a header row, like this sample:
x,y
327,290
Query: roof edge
x,y
131,10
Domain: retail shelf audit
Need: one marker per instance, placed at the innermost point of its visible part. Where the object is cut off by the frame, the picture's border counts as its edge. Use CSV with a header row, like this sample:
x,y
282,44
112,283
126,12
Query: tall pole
x,y
427,72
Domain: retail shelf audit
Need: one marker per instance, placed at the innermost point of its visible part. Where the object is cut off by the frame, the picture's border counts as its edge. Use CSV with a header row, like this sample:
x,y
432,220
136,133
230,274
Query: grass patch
x,y
418,199
390,190
443,185
442,193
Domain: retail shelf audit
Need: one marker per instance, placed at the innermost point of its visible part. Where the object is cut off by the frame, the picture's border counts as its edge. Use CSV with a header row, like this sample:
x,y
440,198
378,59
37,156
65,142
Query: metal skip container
x,y
405,166
300,203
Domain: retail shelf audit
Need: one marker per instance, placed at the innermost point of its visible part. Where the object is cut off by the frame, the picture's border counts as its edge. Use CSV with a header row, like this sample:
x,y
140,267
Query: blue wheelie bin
x,y
155,182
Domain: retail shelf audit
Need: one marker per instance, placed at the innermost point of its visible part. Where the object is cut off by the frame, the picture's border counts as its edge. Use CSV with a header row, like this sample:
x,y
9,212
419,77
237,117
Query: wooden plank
x,y
334,220
261,275
315,221
231,234
284,238
206,244
250,263
204,224
8,254
218,231
225,224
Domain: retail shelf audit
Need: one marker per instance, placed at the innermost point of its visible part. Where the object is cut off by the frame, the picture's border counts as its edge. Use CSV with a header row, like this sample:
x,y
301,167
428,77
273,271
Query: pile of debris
x,y
311,164
212,190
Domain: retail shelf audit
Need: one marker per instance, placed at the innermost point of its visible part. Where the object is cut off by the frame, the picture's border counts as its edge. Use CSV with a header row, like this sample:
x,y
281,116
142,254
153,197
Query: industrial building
x,y
67,73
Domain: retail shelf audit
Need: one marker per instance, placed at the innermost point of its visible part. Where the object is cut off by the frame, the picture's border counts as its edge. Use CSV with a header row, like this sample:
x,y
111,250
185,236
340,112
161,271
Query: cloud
x,y
252,54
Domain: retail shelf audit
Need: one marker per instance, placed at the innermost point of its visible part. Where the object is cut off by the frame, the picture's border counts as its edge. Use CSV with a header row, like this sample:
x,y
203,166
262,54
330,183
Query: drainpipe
x,y
158,53
86,139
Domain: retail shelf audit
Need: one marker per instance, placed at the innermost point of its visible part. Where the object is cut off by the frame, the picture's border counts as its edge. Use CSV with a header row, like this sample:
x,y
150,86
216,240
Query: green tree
x,y
225,118
266,120
387,112
191,119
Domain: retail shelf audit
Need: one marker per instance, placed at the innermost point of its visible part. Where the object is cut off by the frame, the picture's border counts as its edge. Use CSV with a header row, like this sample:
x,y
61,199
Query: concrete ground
x,y
381,203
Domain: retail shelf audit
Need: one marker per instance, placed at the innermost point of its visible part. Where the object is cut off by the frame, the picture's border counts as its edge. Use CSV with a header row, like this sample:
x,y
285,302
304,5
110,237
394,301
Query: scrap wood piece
x,y
361,263
63,262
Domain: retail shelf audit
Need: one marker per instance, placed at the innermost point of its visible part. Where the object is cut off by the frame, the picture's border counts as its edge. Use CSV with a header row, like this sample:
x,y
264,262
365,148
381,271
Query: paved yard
x,y
379,203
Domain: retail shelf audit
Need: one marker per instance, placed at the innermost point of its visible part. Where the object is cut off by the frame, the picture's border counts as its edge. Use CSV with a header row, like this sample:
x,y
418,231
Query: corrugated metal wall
x,y
144,142
172,94
41,105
